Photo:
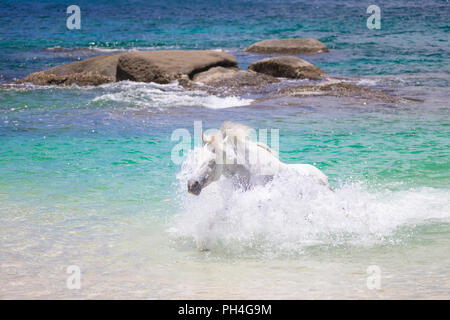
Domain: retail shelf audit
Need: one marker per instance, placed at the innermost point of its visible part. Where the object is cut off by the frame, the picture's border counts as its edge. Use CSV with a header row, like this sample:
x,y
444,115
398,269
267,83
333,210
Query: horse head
x,y
209,169
228,152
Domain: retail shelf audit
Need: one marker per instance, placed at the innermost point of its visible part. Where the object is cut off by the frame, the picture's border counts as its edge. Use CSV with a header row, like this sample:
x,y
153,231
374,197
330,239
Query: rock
x,y
288,46
245,79
287,67
147,66
165,66
338,89
229,81
215,74
92,71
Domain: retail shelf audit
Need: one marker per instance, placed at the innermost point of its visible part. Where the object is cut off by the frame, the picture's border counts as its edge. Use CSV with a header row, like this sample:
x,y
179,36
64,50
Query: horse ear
x,y
205,138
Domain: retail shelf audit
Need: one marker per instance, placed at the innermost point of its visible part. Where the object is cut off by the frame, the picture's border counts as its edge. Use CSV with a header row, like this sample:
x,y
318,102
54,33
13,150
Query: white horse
x,y
248,163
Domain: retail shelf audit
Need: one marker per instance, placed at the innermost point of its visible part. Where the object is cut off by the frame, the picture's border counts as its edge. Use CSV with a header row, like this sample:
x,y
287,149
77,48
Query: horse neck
x,y
256,159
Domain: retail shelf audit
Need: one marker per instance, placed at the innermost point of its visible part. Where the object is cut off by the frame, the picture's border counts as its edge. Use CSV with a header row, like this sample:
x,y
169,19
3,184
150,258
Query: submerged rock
x,y
338,88
288,46
287,67
165,66
92,71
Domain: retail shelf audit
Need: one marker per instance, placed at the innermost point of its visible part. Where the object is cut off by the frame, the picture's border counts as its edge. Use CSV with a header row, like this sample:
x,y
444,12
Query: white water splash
x,y
289,214
165,96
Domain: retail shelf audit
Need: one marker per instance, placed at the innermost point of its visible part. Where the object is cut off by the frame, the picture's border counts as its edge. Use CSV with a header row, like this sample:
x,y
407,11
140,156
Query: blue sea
x,y
87,180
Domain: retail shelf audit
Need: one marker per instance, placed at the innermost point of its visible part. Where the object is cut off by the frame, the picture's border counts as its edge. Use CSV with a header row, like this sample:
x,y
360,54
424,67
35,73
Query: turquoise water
x,y
86,176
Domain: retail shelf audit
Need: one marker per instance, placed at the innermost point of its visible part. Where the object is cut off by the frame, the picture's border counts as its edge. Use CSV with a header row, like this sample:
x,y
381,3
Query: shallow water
x,y
86,176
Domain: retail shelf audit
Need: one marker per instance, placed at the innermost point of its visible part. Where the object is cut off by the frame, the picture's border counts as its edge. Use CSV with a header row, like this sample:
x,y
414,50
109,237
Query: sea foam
x,y
162,96
289,214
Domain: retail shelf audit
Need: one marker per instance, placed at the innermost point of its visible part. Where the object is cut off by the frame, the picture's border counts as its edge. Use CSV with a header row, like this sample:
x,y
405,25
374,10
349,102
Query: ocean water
x,y
86,176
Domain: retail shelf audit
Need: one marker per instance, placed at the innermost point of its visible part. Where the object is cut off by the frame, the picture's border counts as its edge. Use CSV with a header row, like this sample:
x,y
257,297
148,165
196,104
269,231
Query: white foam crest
x,y
368,82
291,213
107,50
166,95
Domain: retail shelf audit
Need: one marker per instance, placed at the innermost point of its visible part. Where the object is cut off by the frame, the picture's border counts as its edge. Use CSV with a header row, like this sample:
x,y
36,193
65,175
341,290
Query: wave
x,y
165,95
144,95
291,214
437,79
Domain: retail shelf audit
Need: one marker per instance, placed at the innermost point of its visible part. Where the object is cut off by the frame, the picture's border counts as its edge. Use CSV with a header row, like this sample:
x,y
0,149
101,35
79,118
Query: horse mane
x,y
234,130
239,132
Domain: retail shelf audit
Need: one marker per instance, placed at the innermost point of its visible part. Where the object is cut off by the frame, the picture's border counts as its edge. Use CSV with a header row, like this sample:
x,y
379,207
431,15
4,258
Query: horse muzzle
x,y
194,187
